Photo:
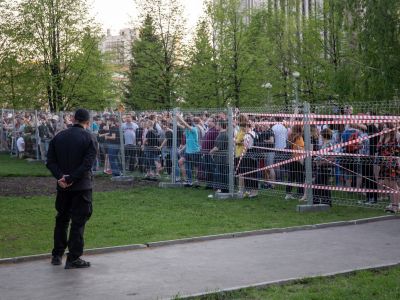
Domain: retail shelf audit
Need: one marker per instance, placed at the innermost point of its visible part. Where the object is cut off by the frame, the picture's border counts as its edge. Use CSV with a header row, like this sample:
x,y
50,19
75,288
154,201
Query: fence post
x,y
231,151
308,159
308,166
37,135
122,144
174,144
13,135
2,130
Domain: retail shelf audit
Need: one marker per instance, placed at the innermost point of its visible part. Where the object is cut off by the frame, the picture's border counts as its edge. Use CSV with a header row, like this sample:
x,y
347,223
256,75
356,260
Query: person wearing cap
x,y
70,158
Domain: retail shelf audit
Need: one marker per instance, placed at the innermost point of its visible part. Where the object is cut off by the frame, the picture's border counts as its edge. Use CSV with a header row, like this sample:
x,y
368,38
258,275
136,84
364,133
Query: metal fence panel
x,y
203,140
354,153
331,154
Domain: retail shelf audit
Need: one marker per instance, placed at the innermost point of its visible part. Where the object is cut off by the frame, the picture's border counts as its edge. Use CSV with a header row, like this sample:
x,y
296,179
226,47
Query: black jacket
x,y
73,152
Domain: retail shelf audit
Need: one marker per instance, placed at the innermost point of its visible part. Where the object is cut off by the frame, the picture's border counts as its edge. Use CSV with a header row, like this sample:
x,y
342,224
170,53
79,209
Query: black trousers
x,y
368,180
322,178
220,175
130,157
168,160
208,169
296,175
249,163
73,208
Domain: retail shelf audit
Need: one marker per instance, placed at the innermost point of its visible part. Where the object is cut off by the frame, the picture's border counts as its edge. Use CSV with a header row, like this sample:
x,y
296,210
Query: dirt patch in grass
x,y
44,186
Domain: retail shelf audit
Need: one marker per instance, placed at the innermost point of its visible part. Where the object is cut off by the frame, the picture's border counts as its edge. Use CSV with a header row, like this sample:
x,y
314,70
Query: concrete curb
x,y
288,281
105,250
95,251
270,231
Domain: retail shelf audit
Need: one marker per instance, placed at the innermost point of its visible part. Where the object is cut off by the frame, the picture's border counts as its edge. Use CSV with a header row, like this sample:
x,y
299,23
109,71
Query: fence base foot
x,y
312,208
96,173
122,178
224,196
169,185
32,160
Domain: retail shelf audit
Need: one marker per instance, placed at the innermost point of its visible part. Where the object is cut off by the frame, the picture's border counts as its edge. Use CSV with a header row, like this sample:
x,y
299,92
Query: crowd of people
x,y
202,154
27,134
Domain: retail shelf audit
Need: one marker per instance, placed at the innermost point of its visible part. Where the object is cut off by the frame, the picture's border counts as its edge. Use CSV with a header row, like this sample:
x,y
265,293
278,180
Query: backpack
x,y
348,136
249,139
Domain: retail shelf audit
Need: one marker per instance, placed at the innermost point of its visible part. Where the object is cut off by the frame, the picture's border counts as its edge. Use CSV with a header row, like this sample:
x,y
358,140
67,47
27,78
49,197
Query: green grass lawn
x,y
363,285
20,167
150,214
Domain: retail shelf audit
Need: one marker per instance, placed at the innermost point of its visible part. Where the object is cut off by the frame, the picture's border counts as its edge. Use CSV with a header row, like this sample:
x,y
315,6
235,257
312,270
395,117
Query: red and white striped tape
x,y
322,151
355,173
326,122
318,116
314,153
324,187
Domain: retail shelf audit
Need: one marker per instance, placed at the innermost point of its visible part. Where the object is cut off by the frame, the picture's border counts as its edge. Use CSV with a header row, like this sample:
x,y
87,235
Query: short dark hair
x,y
82,115
189,120
223,124
165,122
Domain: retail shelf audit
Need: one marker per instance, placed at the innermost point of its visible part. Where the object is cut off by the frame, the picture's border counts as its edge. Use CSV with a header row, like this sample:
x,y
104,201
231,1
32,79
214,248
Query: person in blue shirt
x,y
192,148
95,125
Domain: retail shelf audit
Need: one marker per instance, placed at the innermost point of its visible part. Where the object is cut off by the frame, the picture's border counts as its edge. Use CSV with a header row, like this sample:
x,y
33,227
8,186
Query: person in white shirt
x,y
129,130
281,136
249,162
21,146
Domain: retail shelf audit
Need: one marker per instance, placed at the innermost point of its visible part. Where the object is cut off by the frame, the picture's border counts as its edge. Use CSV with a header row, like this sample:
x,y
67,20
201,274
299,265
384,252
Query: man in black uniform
x,y
70,158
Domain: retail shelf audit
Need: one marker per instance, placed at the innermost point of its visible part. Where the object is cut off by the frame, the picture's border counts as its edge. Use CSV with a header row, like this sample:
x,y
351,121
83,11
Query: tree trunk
x,y
12,85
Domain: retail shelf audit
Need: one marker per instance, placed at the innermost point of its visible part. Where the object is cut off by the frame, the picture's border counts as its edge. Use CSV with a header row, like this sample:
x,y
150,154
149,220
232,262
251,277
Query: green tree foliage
x,y
47,40
168,24
379,48
144,88
88,82
201,87
229,28
262,46
347,50
20,84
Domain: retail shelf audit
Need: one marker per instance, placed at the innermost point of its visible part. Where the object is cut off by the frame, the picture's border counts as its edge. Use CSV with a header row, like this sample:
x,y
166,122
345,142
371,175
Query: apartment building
x,y
118,46
306,5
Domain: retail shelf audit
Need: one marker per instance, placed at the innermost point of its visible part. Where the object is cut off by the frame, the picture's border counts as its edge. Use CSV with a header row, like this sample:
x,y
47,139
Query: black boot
x,y
77,264
56,260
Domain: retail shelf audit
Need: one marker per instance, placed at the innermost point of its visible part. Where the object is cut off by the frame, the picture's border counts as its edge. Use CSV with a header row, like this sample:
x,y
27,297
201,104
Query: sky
x,y
118,14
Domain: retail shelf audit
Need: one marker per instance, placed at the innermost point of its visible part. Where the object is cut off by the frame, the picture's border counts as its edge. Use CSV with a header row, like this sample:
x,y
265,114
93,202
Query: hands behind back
x,y
63,182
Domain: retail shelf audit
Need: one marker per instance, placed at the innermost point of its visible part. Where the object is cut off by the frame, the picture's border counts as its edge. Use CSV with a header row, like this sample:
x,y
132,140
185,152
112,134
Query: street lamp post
x,y
268,87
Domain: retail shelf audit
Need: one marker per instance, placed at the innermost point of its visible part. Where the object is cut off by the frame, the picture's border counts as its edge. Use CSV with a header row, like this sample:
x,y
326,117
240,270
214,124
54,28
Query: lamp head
x,y
296,74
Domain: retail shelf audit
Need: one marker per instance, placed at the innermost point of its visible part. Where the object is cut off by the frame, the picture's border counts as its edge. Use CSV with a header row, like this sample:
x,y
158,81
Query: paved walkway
x,y
159,273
